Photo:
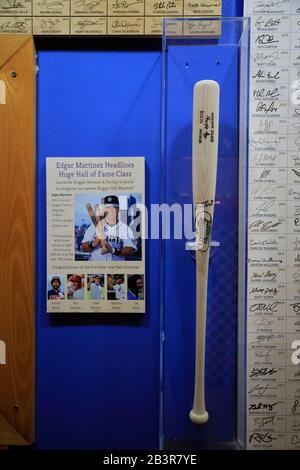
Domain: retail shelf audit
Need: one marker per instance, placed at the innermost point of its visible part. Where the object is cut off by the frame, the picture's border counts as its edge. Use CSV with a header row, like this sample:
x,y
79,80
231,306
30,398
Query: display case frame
x,y
195,49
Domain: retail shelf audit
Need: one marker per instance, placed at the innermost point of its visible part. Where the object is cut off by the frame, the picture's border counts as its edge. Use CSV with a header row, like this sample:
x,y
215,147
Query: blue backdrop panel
x,y
186,65
98,376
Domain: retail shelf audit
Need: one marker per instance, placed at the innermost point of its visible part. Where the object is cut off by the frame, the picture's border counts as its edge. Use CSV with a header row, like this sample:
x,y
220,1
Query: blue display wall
x,y
97,384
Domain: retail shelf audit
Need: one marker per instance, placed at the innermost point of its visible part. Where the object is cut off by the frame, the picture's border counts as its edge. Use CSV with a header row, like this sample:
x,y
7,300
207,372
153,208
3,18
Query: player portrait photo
x,y
75,286
116,289
95,287
56,287
105,227
135,287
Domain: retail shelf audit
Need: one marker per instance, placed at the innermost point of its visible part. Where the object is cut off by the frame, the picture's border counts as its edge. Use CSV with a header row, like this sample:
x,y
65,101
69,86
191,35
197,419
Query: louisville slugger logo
x,y
203,225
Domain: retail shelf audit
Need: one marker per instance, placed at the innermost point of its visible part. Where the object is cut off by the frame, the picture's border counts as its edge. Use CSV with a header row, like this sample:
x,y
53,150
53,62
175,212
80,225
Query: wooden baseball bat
x,y
205,156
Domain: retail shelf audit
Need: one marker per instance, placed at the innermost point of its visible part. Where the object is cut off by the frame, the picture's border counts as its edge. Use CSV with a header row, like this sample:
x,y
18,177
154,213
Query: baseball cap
x,y
55,278
111,201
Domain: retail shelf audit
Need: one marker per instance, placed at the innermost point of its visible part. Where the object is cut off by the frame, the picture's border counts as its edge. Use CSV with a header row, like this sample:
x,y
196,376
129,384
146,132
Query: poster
x,y
95,247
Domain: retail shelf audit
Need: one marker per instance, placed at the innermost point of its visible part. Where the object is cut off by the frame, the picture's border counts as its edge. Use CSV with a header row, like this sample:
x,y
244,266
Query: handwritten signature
x,y
14,25
12,4
262,422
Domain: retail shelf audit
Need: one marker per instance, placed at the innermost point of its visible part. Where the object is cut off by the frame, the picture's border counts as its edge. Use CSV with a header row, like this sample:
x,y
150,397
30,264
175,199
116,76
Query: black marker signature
x,y
262,57
83,24
295,306
296,158
87,5
292,192
14,25
263,143
295,439
267,242
264,174
264,307
260,389
269,275
295,424
296,275
266,39
265,158
269,260
164,5
263,355
264,290
264,126
124,24
51,4
262,422
296,242
264,226
266,108
264,322
297,173
262,406
297,141
262,438
264,190
261,23
12,4
296,406
123,4
261,74
265,206
269,4
263,93
201,26
264,338
49,23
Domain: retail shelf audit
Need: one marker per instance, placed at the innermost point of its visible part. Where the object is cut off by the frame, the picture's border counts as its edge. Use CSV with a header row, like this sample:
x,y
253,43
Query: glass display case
x,y
194,50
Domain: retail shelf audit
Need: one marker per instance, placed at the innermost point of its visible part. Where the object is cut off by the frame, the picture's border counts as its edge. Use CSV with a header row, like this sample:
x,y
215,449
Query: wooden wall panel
x,y
17,228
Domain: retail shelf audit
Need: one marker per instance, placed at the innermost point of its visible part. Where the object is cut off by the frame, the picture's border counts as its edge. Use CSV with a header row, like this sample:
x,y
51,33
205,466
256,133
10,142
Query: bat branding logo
x,y
203,225
206,130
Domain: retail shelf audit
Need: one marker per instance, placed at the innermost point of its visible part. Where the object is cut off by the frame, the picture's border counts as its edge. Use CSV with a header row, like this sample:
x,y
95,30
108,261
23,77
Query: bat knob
x,y
199,418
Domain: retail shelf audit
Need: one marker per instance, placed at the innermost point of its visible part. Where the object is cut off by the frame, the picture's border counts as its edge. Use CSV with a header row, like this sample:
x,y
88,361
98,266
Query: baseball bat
x,y
204,160
99,221
91,213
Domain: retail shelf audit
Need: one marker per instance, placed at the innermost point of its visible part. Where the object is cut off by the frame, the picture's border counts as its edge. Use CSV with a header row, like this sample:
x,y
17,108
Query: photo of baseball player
x,y
106,237
75,287
56,287
135,284
95,287
116,287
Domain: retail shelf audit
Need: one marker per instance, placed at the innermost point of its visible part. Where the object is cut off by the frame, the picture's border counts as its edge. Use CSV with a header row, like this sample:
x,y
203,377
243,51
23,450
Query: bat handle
x,y
198,414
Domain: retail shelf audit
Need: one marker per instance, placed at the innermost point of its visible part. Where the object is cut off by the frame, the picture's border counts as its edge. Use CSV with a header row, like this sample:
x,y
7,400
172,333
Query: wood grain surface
x,y
9,436
17,228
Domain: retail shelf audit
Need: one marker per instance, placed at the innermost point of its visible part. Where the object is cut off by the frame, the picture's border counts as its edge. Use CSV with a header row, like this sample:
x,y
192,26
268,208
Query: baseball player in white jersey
x,y
119,237
119,288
